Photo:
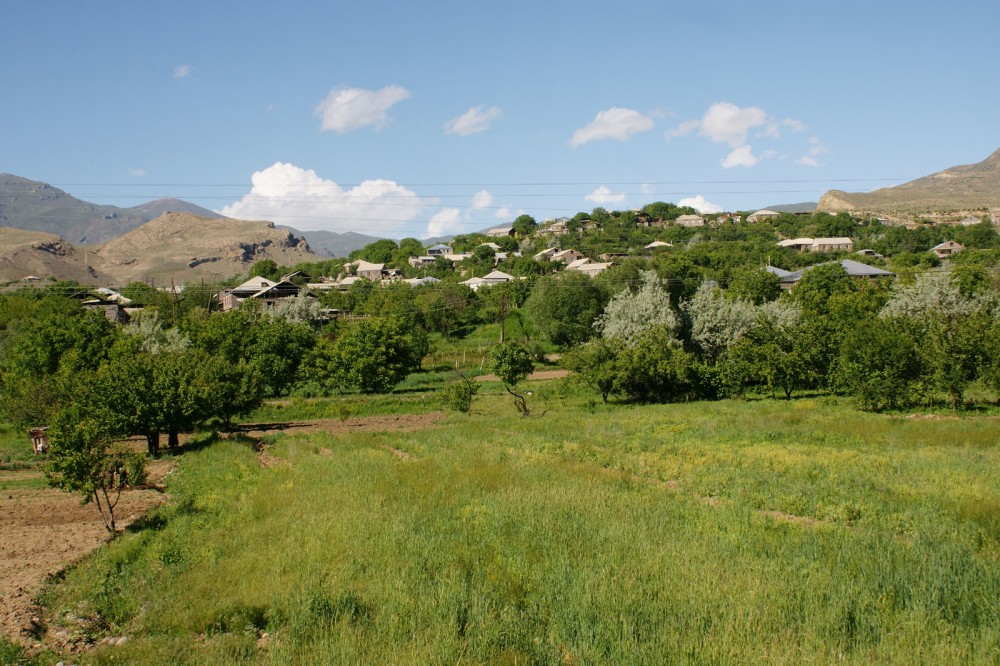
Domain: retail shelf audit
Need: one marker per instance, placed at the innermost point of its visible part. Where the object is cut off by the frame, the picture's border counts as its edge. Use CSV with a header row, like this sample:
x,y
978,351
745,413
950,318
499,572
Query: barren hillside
x,y
186,248
971,189
24,253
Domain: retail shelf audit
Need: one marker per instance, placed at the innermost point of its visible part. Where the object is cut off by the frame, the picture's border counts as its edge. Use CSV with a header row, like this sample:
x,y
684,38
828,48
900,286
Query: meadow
x,y
712,532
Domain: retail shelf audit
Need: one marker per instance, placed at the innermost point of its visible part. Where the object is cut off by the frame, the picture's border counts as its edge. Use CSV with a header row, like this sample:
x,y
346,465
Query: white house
x,y
690,221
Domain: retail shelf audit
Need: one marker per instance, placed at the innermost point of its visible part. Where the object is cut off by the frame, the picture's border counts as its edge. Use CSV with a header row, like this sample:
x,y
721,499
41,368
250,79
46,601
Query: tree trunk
x,y
153,443
172,439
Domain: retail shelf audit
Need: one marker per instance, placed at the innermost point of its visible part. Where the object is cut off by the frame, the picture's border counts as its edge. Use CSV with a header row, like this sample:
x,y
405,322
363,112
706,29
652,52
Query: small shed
x,y
39,439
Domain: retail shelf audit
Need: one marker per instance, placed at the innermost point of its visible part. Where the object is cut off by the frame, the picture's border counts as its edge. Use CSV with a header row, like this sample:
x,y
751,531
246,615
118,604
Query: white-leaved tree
x,y
716,321
629,314
153,337
299,309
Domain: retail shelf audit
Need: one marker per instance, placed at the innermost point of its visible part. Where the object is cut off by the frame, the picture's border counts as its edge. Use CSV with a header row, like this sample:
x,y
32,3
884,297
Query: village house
x,y
690,221
836,244
439,250
500,232
258,288
593,269
762,215
488,280
422,260
947,249
656,245
840,243
854,269
546,254
369,271
566,256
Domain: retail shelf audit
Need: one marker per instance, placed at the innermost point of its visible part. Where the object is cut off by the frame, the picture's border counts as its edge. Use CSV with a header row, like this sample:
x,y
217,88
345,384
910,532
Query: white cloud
x,y
793,124
504,213
346,109
646,188
603,195
475,120
728,123
742,156
137,172
685,127
816,148
482,199
287,194
615,123
445,221
700,205
183,71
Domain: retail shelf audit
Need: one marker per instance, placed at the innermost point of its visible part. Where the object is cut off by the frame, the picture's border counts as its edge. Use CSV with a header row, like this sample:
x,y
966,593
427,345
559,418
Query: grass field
x,y
730,532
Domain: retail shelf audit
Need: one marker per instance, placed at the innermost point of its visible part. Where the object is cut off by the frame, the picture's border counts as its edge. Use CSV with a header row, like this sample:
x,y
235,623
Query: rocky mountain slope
x,y
35,206
971,189
35,253
186,248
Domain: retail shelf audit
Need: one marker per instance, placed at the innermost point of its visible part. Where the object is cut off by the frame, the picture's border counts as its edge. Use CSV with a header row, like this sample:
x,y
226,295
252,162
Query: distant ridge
x,y
36,206
804,207
954,192
333,244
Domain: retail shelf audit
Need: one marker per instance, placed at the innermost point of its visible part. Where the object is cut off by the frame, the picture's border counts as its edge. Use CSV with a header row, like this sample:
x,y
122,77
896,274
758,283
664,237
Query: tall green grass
x,y
593,535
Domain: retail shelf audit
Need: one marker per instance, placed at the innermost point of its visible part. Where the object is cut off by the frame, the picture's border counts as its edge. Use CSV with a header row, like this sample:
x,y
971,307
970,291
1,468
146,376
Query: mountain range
x,y
943,196
177,246
32,205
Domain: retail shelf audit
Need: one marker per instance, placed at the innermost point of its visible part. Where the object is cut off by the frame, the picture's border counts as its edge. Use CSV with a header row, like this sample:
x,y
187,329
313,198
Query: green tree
x,y
44,361
266,268
595,364
655,367
84,459
372,355
512,363
379,252
879,364
564,307
755,285
524,225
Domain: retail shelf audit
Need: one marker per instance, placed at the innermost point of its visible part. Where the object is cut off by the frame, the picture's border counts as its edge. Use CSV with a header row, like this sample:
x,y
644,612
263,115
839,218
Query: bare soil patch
x,y
540,375
381,423
42,530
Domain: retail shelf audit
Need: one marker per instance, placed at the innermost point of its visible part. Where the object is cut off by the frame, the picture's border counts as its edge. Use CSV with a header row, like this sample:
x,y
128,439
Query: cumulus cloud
x,y
700,205
445,221
183,71
137,172
504,212
615,123
287,194
646,188
728,123
346,109
603,195
742,156
482,199
475,120
816,148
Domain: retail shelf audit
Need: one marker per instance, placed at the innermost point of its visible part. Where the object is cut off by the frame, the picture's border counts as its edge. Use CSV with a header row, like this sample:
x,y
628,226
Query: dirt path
x,y
42,530
387,422
535,376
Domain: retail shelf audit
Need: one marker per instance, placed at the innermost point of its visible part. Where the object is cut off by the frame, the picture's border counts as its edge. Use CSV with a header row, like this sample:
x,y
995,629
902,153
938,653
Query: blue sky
x,y
419,119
